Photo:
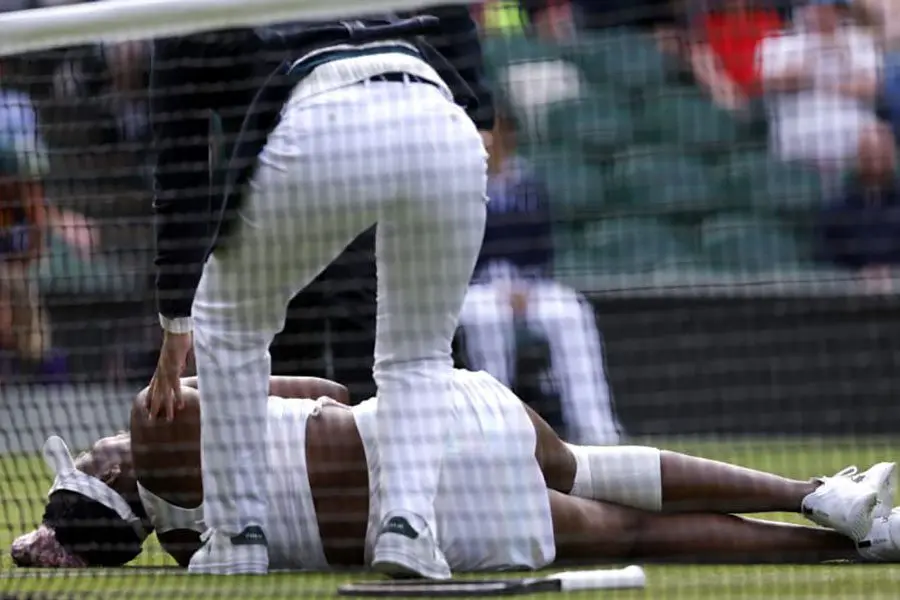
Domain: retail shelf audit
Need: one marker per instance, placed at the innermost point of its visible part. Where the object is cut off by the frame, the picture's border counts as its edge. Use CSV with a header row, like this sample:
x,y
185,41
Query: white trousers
x,y
401,155
568,322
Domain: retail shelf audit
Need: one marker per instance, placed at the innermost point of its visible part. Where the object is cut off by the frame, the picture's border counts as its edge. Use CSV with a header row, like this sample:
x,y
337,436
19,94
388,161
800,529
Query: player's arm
x,y
159,446
460,44
295,387
308,387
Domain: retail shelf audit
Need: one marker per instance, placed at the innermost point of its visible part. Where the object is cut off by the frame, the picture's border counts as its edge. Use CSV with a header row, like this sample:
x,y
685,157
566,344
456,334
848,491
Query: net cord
x,y
123,20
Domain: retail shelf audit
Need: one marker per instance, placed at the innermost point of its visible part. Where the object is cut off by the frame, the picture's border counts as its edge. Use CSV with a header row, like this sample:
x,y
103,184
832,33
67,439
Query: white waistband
x,y
354,69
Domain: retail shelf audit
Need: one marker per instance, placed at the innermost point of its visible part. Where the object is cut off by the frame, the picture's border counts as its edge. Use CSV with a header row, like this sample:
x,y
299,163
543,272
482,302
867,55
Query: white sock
x,y
626,475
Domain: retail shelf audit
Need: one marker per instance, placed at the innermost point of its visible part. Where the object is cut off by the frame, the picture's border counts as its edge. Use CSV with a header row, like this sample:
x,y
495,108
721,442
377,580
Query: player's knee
x,y
625,475
557,303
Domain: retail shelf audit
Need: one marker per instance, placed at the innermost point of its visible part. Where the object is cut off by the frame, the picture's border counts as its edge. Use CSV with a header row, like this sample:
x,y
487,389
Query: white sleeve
x,y
777,54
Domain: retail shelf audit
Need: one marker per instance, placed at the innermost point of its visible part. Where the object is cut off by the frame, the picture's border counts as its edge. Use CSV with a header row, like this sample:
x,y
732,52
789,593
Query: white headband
x,y
68,478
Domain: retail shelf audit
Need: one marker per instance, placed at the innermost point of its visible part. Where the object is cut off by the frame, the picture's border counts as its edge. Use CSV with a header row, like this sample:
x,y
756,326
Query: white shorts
x,y
493,509
829,141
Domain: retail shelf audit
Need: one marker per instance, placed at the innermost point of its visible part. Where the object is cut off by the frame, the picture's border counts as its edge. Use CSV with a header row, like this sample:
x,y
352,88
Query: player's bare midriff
x,y
167,463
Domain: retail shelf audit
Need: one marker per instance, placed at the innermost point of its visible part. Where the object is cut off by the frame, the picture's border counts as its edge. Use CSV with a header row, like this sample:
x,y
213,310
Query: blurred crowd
x,y
75,183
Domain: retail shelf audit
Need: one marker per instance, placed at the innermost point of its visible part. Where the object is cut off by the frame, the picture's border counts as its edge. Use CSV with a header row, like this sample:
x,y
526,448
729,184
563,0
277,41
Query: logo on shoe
x,y
251,536
400,526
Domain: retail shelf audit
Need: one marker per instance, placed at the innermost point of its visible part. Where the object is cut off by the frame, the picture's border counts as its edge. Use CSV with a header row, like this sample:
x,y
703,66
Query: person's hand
x,y
164,396
518,300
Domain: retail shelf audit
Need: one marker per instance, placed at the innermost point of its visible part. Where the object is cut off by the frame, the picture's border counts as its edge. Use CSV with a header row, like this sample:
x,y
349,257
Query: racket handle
x,y
602,579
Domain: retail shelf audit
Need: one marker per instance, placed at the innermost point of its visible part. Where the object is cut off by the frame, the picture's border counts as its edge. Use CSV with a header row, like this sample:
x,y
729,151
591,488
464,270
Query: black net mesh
x,y
690,245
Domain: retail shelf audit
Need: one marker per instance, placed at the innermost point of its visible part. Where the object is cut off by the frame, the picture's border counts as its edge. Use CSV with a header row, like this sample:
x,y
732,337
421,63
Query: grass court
x,y
25,480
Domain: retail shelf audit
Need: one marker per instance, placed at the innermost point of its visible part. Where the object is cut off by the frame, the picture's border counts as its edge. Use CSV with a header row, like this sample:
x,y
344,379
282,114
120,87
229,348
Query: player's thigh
x,y
590,530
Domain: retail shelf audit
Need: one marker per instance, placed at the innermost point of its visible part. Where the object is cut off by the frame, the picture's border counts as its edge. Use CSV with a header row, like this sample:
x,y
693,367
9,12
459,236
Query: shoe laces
x,y
846,473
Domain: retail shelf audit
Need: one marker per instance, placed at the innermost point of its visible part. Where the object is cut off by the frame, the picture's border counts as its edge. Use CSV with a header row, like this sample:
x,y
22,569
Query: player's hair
x,y
92,531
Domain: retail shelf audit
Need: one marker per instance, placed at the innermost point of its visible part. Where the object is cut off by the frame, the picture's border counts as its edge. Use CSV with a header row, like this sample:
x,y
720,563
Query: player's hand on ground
x,y
164,396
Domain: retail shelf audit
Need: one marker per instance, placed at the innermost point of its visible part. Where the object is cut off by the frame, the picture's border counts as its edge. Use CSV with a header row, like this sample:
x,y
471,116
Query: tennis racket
x,y
565,581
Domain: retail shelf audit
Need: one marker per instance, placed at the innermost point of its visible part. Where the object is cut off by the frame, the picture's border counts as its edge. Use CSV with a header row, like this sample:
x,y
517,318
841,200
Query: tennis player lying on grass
x,y
512,494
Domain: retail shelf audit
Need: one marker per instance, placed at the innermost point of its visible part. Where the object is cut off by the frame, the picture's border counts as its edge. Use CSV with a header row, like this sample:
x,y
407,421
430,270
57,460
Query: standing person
x,y
338,126
24,222
515,313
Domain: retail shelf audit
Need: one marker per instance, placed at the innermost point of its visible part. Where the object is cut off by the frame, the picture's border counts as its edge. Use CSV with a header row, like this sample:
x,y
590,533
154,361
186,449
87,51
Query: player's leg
x,y
306,203
589,530
569,323
487,322
661,481
427,244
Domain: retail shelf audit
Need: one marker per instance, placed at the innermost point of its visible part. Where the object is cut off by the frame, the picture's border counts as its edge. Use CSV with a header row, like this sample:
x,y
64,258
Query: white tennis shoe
x,y
883,542
222,554
849,501
403,551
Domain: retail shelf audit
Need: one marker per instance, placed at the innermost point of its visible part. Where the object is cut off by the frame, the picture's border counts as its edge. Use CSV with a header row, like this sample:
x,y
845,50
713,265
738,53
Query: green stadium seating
x,y
502,51
745,243
658,180
634,245
764,184
621,57
596,125
577,190
685,117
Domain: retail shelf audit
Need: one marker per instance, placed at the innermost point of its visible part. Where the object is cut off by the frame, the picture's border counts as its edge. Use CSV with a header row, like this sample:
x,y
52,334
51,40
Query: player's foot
x,y
883,542
401,550
848,501
886,472
221,554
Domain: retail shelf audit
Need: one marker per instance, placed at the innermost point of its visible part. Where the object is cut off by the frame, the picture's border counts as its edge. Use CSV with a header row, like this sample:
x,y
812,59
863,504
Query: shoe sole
x,y
229,569
403,566
393,562
885,485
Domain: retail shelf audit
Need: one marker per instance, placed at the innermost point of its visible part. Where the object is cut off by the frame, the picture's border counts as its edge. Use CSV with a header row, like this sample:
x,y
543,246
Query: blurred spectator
x,y
824,80
513,297
884,17
862,231
645,14
24,327
501,17
112,77
723,50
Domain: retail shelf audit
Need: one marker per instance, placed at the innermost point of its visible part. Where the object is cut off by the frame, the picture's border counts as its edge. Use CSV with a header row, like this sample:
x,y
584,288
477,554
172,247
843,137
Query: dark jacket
x,y
236,82
863,228
518,228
